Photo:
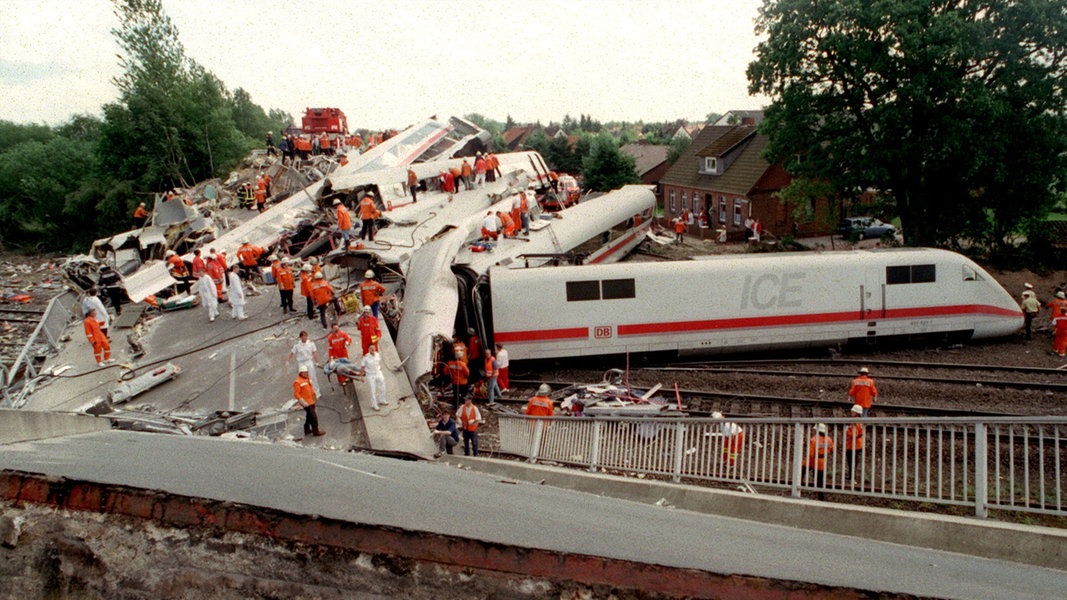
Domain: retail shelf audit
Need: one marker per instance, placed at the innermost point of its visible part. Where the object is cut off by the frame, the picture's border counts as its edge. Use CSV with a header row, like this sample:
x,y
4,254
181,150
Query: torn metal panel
x,y
172,212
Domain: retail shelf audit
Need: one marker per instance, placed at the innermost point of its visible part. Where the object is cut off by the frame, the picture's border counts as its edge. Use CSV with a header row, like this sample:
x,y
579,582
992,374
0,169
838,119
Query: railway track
x,y
704,402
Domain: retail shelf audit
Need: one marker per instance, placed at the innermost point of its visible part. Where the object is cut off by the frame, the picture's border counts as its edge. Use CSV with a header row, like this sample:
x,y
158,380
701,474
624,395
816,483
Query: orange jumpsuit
x,y
101,347
539,406
863,392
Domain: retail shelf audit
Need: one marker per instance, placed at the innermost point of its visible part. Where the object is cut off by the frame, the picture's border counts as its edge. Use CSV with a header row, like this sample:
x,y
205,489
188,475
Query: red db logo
x,y
602,332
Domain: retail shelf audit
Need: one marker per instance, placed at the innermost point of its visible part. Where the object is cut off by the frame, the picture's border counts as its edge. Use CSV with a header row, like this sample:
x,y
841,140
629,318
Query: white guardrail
x,y
1014,463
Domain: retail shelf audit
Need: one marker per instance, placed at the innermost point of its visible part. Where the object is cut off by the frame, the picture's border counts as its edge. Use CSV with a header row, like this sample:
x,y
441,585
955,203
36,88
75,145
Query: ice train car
x,y
728,304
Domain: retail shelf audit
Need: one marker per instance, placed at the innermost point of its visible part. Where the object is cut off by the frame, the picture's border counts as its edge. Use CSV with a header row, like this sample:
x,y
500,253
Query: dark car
x,y
864,228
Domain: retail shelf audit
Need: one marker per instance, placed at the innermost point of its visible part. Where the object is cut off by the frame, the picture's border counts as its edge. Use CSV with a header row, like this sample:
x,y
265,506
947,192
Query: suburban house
x,y
723,175
515,137
650,161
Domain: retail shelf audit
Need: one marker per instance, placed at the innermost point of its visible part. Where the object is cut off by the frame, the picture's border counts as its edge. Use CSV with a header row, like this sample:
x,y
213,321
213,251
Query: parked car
x,y
864,228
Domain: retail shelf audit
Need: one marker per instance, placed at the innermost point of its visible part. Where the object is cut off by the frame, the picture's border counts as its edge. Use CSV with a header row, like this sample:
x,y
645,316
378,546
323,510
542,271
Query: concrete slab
x,y
28,425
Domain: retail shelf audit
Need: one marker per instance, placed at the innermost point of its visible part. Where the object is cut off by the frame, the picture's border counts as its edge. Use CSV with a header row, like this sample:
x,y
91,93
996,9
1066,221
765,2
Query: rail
x,y
45,338
1006,463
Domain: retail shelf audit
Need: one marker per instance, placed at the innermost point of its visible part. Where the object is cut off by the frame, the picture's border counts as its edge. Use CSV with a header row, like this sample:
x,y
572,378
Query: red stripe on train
x,y
581,333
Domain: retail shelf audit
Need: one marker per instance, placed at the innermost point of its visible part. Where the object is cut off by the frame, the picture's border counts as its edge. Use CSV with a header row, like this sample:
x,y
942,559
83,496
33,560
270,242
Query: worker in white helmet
x,y
820,446
540,405
733,436
368,212
370,292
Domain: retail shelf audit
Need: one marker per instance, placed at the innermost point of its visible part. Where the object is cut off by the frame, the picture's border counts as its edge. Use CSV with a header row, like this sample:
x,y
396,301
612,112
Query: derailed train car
x,y
729,304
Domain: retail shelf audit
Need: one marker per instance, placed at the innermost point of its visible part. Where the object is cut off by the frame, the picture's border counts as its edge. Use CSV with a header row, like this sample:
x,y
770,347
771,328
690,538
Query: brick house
x,y
724,173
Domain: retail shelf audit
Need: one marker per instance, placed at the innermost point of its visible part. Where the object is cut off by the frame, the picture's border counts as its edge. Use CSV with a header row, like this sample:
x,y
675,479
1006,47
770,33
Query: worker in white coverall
x,y
209,298
372,371
237,295
305,354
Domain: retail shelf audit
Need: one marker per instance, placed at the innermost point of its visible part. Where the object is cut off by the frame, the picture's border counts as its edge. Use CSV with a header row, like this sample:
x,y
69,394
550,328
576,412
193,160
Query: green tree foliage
x,y
12,134
953,109
675,149
174,121
605,168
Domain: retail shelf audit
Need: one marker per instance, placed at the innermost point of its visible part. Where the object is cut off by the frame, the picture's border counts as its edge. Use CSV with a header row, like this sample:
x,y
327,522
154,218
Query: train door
x,y
872,298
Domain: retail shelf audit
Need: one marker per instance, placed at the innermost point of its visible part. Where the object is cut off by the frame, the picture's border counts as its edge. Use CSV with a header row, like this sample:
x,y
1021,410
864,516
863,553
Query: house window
x,y
674,205
737,212
685,200
711,164
722,209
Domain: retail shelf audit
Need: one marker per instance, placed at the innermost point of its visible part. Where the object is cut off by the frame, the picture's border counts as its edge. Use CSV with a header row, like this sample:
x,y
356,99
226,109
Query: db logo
x,y
603,331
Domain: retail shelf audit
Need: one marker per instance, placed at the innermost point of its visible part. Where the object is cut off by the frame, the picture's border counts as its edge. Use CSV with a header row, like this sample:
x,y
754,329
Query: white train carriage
x,y
735,304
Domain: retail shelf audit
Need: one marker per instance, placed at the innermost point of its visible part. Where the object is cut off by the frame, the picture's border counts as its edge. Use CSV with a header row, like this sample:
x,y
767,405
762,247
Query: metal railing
x,y
989,463
44,339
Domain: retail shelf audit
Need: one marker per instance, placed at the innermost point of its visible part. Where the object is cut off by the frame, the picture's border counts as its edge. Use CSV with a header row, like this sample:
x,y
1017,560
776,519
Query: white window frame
x,y
737,212
685,200
674,204
711,164
722,210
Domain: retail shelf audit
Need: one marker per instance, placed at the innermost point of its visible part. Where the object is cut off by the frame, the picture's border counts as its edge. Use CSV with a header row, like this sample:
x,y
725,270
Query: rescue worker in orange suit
x,y
199,266
337,342
863,391
458,374
1059,327
286,283
733,437
1057,305
140,216
249,257
344,222
369,329
323,295
368,212
679,230
540,405
820,446
216,271
465,172
177,269
507,224
469,419
261,197
304,394
853,444
492,164
413,185
479,170
474,350
370,292
305,289
101,347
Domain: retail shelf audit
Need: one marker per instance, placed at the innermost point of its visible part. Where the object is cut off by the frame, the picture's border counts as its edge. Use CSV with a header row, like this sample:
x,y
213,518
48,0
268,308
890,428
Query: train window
x,y
910,274
923,274
613,289
970,274
578,291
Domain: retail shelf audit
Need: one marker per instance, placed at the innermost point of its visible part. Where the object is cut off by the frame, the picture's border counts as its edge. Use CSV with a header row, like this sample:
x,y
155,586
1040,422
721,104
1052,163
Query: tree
x,y
953,110
173,123
605,168
677,146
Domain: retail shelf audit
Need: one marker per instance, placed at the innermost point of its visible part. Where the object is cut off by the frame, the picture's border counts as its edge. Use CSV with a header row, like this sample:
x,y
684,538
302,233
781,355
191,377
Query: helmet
x,y
821,428
716,415
336,201
305,268
169,253
1060,295
318,275
141,204
371,194
314,260
369,274
245,241
366,309
856,408
544,389
272,257
1028,286
863,371
303,368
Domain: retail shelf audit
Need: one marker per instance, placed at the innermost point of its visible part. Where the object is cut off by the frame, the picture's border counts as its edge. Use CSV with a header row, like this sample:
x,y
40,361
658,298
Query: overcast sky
x,y
389,63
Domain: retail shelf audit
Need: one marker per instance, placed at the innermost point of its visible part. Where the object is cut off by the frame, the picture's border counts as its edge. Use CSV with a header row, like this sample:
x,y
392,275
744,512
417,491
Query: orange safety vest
x,y
490,366
344,222
285,278
539,406
458,372
303,390
367,209
177,266
819,446
468,417
370,291
338,343
249,254
854,436
863,391
305,284
465,169
321,292
413,179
